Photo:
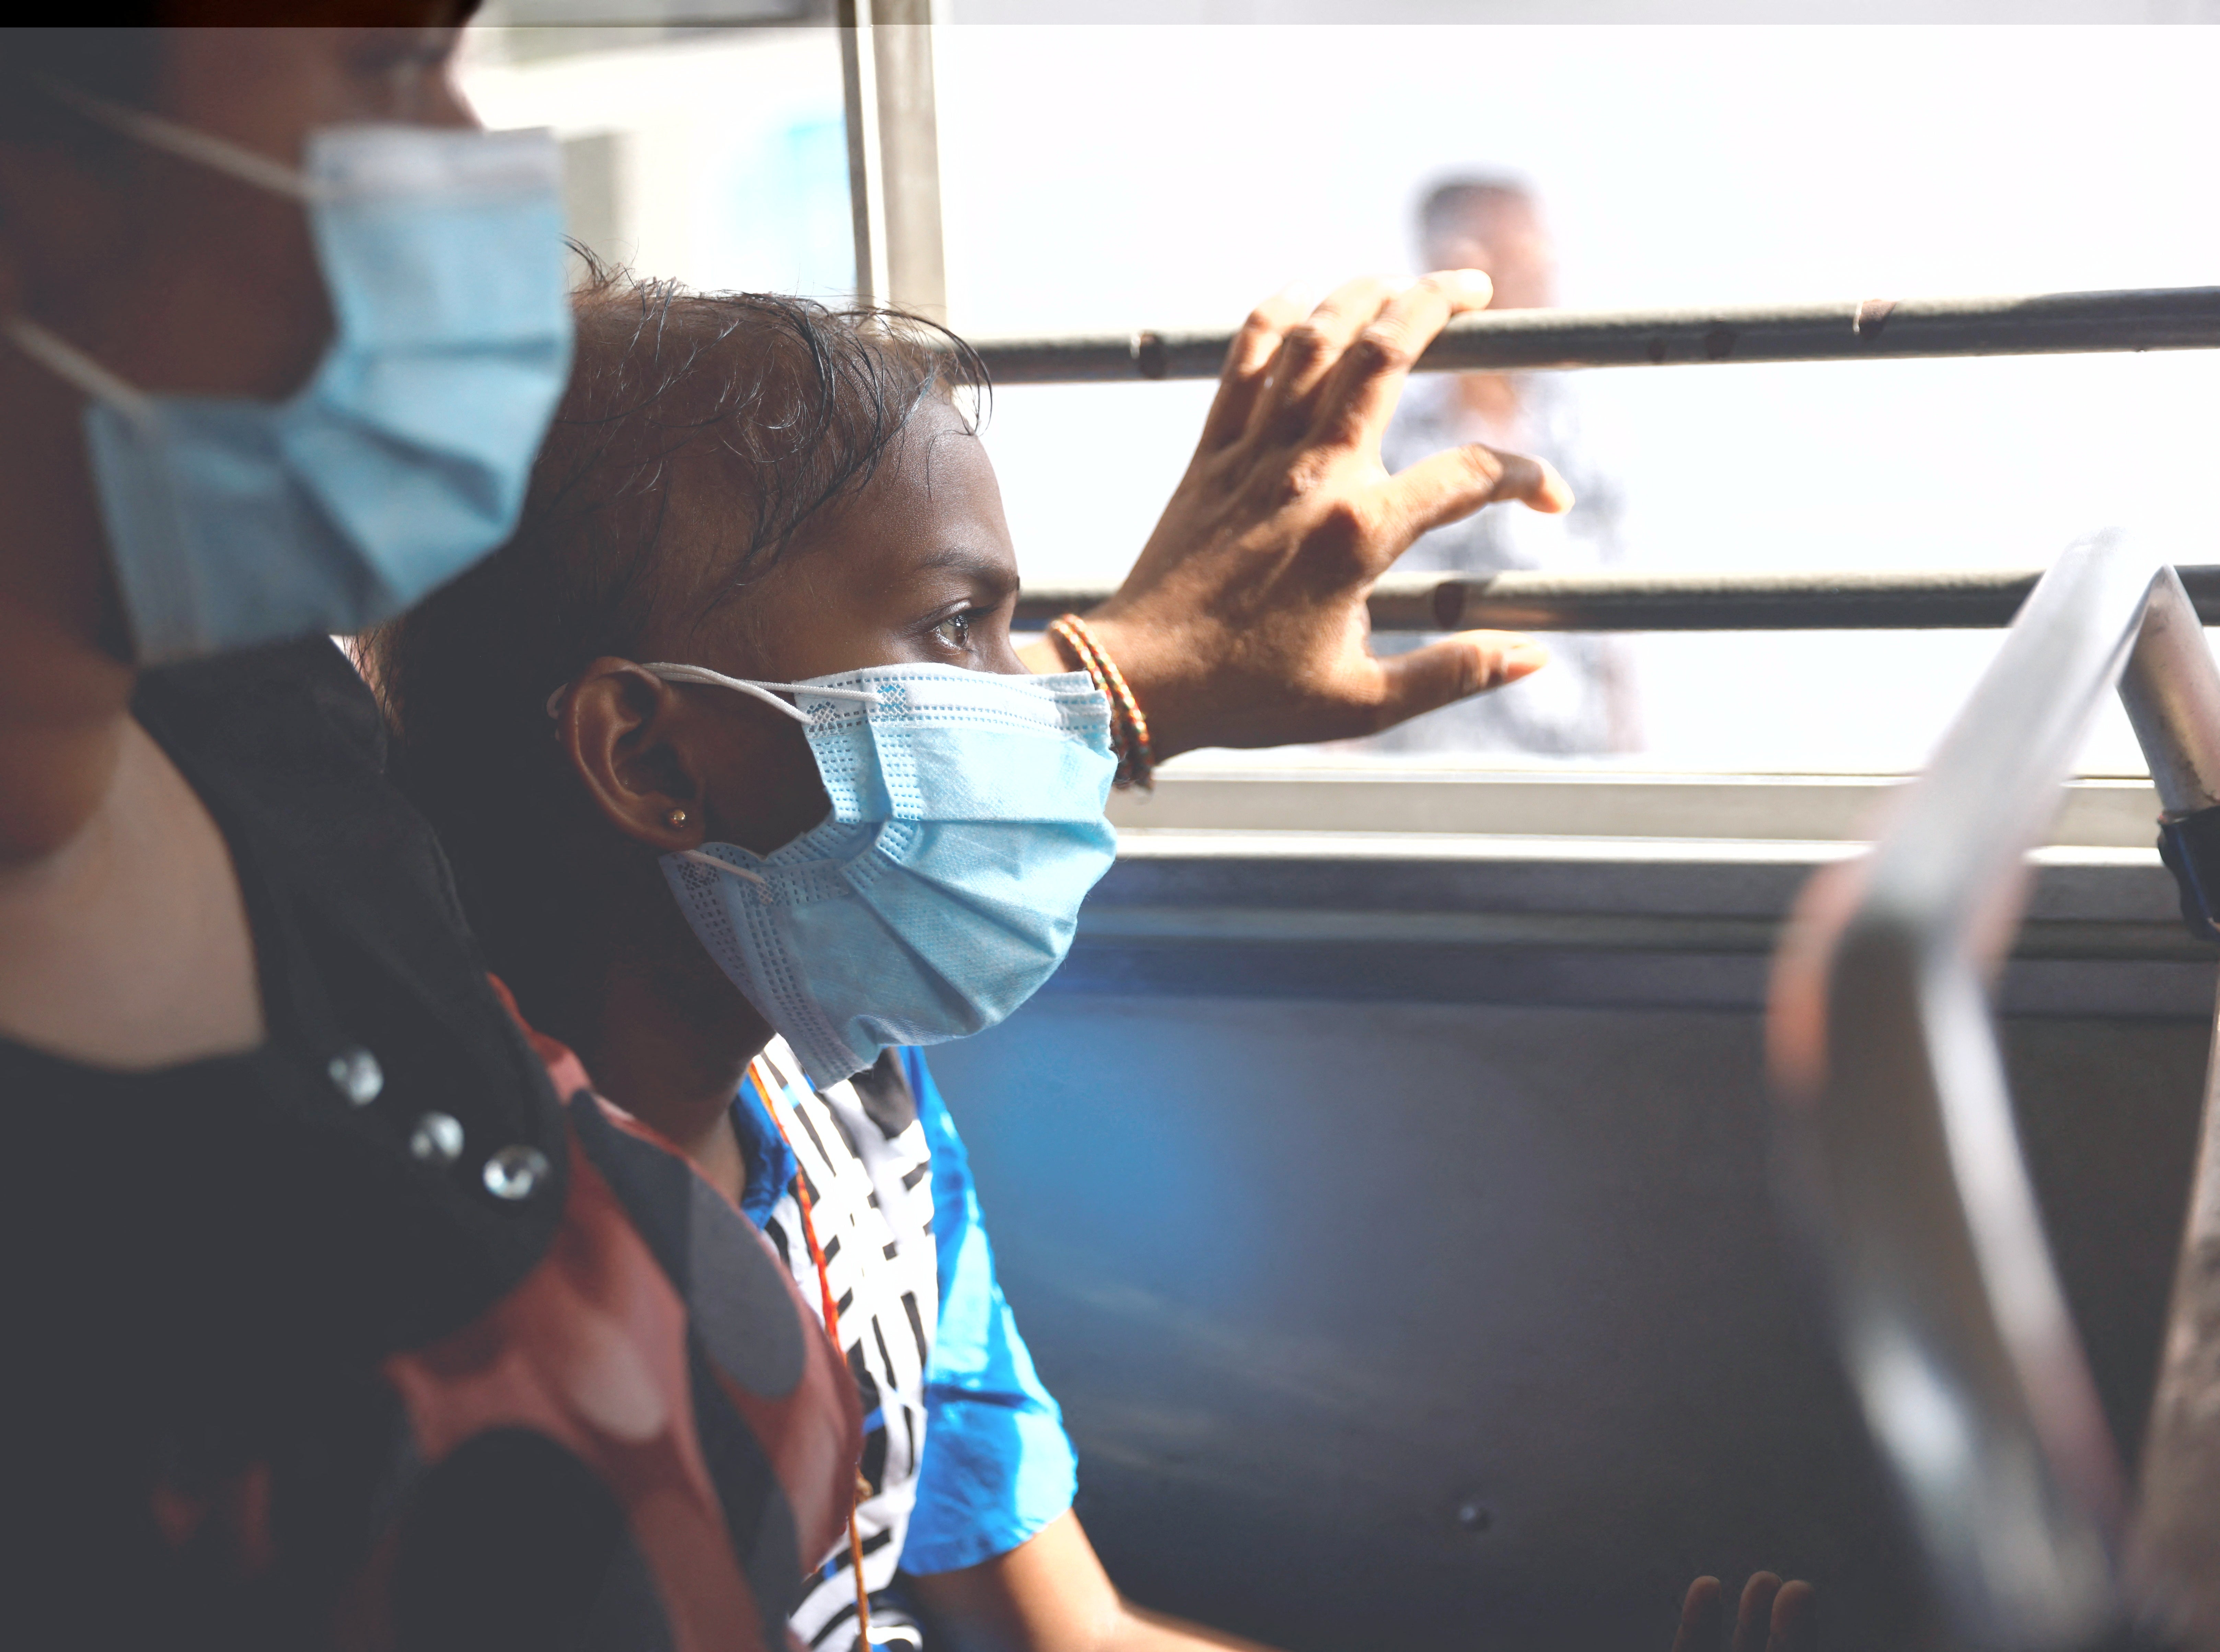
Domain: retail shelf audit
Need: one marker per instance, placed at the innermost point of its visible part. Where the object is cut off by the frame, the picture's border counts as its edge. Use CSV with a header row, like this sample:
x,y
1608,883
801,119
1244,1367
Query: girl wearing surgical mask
x,y
749,794
795,808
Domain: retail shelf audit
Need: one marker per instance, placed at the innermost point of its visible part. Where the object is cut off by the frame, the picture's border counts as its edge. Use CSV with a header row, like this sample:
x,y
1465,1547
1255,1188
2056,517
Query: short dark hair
x,y
1455,200
792,403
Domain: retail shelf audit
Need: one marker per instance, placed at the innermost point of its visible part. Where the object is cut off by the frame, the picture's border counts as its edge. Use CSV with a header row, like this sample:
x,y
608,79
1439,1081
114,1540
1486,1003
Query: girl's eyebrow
x,y
988,570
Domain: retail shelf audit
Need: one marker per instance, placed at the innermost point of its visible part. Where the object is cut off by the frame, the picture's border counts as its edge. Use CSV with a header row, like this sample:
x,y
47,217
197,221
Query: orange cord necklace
x,y
832,1330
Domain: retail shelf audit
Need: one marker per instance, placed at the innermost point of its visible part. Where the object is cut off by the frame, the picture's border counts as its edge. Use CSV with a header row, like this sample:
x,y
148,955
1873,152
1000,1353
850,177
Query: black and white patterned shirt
x,y
864,1151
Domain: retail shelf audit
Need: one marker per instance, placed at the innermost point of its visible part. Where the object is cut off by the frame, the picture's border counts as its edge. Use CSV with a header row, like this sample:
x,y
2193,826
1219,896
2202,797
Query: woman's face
x,y
178,278
918,567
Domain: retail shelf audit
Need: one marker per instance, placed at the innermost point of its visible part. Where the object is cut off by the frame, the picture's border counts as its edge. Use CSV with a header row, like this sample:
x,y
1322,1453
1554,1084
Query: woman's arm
x,y
1242,623
1050,1594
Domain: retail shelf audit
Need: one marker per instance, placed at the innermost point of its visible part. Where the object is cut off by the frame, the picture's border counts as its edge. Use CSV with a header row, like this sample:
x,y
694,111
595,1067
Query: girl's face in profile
x,y
917,567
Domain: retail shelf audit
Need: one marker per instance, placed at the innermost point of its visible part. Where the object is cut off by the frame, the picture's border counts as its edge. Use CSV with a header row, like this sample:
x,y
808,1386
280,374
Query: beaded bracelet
x,y
1129,727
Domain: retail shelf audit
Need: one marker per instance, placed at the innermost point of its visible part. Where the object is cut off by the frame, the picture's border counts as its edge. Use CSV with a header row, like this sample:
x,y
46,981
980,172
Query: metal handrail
x,y
1900,1156
1969,599
2161,318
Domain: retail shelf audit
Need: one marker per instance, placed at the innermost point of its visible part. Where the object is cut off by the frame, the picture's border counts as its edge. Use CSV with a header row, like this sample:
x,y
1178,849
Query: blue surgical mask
x,y
405,458
966,829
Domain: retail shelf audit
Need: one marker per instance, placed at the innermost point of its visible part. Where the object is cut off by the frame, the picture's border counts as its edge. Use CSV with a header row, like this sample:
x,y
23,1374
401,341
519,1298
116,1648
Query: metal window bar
x,y
1900,1161
1972,599
1873,329
2186,318
2183,318
894,169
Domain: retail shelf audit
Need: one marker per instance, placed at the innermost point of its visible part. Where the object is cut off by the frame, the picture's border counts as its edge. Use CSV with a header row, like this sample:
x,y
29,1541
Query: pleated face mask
x,y
966,828
405,458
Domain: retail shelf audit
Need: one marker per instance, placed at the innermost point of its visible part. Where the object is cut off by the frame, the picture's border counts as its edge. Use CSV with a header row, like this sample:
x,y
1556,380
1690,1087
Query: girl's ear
x,y
638,746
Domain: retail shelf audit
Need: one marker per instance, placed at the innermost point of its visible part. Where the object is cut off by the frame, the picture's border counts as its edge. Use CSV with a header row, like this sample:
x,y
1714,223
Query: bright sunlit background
x,y
1114,177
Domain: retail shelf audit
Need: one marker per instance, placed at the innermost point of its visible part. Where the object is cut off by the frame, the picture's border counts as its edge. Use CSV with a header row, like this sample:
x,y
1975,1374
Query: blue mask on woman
x,y
966,829
405,458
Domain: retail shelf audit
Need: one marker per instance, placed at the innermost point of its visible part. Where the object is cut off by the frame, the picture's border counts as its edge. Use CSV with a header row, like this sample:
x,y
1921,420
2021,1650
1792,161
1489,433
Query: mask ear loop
x,y
247,165
703,674
699,858
708,678
71,365
65,359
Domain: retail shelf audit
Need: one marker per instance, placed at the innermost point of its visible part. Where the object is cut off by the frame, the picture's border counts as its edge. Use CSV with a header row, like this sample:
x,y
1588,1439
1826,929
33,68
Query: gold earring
x,y
676,818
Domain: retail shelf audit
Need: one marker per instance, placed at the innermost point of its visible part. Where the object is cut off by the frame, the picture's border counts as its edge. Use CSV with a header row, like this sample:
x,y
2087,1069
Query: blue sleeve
x,y
998,1465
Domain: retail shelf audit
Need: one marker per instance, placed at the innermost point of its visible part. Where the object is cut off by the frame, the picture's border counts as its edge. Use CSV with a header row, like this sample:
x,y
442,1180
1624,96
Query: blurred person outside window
x,y
1584,704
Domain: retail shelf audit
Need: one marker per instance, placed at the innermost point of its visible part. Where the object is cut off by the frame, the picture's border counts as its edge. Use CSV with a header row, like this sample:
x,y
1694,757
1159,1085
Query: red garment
x,y
593,1351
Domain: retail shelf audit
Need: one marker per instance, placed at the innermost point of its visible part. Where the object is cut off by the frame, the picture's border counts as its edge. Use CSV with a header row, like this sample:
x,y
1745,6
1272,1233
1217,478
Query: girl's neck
x,y
670,1045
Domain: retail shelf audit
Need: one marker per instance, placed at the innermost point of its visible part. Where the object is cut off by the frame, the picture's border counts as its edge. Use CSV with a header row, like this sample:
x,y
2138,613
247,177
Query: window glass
x,y
1108,178
1113,178
717,156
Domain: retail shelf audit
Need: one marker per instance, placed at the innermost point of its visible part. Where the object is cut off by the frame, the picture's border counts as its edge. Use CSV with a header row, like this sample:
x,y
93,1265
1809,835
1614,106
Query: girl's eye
x,y
956,631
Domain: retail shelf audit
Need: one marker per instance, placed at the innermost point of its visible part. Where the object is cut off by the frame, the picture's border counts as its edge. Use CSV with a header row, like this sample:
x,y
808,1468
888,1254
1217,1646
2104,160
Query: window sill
x,y
1430,887
1222,793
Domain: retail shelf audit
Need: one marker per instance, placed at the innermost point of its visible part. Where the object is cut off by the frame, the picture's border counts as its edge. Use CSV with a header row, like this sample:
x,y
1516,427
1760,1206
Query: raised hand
x,y
1244,621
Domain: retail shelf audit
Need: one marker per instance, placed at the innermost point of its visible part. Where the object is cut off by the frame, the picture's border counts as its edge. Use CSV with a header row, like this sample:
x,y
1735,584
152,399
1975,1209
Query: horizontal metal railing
x,y
1961,599
1875,329
2166,318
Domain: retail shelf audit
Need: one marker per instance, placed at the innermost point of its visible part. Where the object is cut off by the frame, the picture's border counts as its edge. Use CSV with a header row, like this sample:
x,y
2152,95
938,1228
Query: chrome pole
x,y
2172,690
1900,1155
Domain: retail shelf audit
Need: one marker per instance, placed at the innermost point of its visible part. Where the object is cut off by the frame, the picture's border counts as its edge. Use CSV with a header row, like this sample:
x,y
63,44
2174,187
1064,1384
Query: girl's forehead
x,y
930,516
935,475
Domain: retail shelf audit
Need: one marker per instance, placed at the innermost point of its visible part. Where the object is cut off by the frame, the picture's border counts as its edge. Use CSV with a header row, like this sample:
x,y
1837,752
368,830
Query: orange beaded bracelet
x,y
1129,727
